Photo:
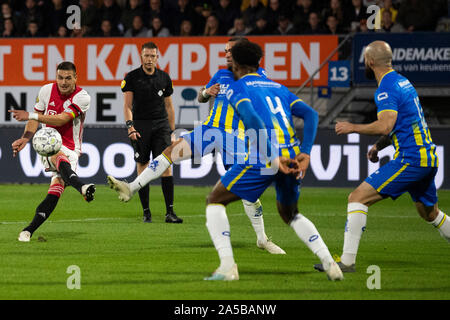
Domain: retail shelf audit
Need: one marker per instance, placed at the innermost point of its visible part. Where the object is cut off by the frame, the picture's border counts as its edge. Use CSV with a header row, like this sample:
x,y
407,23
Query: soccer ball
x,y
47,141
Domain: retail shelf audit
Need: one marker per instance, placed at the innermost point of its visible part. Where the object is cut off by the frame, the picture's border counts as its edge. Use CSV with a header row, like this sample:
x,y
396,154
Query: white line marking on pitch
x,y
189,216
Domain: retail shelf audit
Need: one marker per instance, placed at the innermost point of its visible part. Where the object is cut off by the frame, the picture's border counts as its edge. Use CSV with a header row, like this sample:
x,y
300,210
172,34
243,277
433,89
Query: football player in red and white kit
x,y
61,105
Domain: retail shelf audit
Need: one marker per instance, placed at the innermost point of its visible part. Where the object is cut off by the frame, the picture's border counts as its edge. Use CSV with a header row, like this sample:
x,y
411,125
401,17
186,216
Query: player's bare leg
x,y
310,236
177,151
219,230
45,208
436,218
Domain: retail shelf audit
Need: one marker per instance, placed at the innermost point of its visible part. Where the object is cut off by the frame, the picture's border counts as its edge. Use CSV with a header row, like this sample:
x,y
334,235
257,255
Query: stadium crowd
x,y
162,18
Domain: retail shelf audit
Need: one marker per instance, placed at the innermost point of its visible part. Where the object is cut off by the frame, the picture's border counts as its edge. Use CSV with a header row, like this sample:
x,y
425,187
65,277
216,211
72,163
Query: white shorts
x,y
49,166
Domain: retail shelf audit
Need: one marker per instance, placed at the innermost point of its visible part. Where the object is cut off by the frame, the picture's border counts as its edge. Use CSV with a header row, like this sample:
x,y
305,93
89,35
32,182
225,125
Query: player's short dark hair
x,y
67,65
246,53
149,45
237,38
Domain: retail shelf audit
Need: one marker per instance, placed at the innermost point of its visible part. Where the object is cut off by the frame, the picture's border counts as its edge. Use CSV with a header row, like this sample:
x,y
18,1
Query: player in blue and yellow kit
x,y
266,108
223,133
414,166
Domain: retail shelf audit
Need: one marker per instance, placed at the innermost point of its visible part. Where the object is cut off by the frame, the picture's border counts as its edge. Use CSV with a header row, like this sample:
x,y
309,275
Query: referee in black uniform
x,y
150,119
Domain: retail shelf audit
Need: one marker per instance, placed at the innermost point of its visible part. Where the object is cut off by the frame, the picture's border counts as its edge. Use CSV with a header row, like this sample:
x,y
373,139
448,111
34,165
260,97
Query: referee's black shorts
x,y
155,137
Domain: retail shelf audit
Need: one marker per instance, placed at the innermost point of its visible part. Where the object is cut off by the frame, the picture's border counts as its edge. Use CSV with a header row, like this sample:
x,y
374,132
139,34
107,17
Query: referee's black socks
x,y
167,189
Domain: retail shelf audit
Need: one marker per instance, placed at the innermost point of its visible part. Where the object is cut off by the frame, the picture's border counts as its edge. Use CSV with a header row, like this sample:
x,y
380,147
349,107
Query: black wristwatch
x,y
129,123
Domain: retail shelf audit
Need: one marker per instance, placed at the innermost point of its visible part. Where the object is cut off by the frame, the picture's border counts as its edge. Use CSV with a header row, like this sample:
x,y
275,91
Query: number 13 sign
x,y
339,73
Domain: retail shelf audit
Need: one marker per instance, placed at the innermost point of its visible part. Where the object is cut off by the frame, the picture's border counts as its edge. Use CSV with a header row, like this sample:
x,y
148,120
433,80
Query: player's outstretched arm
x,y
30,129
383,126
56,120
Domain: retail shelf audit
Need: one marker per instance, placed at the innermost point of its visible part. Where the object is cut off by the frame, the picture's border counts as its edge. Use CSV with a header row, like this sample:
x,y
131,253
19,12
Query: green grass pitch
x,y
122,258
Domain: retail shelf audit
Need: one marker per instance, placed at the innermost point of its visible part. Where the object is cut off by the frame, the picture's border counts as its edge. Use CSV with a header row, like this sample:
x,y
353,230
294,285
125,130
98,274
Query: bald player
x,y
400,122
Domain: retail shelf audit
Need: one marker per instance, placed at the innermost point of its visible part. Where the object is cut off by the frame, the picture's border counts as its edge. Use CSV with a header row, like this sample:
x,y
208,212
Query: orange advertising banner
x,y
190,61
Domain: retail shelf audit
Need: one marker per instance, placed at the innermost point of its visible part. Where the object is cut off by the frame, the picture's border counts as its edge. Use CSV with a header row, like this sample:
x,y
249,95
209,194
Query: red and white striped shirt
x,y
50,101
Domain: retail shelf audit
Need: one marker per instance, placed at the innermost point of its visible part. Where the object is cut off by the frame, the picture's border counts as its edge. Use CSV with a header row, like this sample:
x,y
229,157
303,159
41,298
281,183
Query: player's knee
x,y
356,196
210,199
176,150
351,197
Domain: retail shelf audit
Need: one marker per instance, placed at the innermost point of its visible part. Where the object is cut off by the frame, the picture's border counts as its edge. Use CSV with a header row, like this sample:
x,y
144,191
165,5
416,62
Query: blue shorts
x,y
205,139
395,178
248,183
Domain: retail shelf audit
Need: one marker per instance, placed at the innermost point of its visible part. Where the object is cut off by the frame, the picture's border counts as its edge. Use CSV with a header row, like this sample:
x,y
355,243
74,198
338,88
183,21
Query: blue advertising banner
x,y
424,58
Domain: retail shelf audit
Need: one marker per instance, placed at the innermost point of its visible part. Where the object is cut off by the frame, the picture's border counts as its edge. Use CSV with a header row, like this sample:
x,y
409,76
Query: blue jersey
x,y
410,136
222,115
275,105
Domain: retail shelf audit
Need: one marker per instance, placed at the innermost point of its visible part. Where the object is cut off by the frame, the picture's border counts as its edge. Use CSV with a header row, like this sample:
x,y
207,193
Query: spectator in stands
x,y
107,29
387,5
387,25
285,26
110,10
88,14
31,12
212,26
62,32
261,27
155,8
33,30
122,4
363,26
7,13
273,12
79,31
226,14
184,11
335,9
439,9
202,12
354,14
157,29
300,14
244,4
56,16
138,29
314,24
415,15
251,14
134,8
9,30
186,29
333,26
239,28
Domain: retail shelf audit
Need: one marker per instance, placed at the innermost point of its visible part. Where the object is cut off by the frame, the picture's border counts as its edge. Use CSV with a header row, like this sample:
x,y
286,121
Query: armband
x,y
33,116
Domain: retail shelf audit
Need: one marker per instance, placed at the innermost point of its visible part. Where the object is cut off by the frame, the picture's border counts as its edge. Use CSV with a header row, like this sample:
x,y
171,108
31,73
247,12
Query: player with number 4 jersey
x,y
222,133
266,109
